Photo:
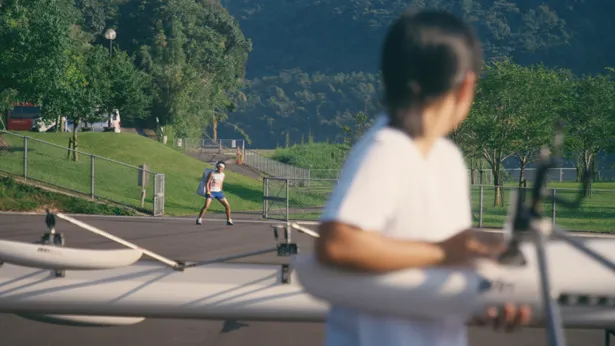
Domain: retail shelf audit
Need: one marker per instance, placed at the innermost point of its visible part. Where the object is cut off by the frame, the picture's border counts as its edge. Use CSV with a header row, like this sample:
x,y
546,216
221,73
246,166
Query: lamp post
x,y
110,35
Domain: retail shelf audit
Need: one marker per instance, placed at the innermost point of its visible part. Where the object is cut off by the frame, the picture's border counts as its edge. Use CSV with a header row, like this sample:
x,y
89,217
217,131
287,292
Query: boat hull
x,y
584,289
245,292
65,258
84,321
147,289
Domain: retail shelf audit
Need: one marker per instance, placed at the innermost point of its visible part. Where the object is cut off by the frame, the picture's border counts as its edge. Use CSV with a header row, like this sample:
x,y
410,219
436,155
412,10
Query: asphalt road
x,y
181,239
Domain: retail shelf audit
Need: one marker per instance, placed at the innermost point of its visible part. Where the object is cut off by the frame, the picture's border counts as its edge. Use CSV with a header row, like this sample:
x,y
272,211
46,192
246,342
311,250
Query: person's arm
x,y
353,224
209,177
348,247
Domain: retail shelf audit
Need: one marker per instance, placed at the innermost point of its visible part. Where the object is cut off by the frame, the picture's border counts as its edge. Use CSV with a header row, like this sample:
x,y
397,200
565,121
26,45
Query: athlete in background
x,y
430,63
213,186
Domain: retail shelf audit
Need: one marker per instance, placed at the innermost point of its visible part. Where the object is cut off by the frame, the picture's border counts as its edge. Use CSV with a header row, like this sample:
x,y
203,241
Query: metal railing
x,y
90,175
278,169
485,176
275,168
287,199
220,145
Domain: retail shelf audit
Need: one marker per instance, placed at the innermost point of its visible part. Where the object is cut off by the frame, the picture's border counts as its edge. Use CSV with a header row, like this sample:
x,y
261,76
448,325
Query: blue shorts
x,y
216,194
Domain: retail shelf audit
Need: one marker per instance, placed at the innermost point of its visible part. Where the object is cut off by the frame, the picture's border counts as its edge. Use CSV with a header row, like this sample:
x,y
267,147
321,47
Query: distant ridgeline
x,y
313,66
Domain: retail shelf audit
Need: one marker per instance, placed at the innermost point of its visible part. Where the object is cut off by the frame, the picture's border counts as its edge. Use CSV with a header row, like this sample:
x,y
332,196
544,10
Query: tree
x,y
505,114
541,92
129,88
194,53
38,32
79,93
353,133
590,111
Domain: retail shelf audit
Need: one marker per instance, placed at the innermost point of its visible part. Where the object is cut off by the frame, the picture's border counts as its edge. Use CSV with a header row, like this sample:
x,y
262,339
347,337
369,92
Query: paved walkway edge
x,y
256,218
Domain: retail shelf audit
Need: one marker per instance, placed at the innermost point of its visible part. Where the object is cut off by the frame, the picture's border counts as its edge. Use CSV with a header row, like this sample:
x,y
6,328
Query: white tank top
x,y
215,185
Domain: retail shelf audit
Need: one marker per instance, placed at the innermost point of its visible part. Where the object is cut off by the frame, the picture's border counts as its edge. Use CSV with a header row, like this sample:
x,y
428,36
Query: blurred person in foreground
x,y
430,63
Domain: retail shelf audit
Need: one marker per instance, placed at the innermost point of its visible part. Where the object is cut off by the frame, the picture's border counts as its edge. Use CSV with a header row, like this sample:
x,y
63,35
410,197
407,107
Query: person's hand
x,y
466,246
509,317
207,194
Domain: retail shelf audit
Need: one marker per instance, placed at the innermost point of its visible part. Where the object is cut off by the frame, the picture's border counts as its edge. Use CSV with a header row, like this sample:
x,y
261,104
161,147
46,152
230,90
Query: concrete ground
x,y
183,240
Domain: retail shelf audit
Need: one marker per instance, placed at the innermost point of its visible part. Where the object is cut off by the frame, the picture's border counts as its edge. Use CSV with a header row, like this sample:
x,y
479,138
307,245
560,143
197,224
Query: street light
x,y
110,35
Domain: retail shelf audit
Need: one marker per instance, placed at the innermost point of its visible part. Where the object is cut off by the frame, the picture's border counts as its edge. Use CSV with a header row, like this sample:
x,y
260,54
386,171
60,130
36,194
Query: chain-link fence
x,y
275,168
292,199
597,212
324,173
476,176
89,175
220,146
490,205
561,175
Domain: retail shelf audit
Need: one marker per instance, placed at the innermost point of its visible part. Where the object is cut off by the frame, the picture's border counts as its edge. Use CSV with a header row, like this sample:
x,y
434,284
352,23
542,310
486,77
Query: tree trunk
x,y
588,164
523,162
214,126
472,173
75,156
496,169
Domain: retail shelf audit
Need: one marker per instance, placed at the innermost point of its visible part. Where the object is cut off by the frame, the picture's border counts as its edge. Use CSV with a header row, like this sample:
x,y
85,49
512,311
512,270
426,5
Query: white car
x,y
110,125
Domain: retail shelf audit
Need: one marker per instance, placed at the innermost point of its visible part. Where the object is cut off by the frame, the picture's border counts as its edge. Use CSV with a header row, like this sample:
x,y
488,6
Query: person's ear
x,y
465,94
465,91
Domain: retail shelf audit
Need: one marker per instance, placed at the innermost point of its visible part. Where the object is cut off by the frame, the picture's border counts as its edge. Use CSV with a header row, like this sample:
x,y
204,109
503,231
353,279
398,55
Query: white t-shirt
x,y
388,186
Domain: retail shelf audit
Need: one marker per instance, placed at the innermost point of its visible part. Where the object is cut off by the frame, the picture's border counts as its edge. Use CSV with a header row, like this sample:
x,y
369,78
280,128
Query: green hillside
x,y
15,196
118,182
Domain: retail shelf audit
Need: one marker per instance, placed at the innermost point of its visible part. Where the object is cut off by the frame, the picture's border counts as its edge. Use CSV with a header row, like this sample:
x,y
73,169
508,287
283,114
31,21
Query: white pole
x,y
117,239
305,230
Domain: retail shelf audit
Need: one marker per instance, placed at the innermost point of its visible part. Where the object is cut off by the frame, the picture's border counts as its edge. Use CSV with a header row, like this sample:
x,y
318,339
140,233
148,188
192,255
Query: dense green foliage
x,y
311,66
332,37
513,116
179,60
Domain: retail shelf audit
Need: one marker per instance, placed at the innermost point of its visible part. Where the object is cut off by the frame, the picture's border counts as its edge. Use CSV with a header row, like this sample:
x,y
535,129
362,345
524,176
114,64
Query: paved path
x,y
182,239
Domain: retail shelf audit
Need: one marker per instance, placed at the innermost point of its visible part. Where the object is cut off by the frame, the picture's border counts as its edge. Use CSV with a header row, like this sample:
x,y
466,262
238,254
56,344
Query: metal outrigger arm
x,y
528,218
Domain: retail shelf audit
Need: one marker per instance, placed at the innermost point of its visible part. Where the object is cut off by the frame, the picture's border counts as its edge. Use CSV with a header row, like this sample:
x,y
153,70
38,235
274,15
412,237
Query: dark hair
x,y
425,55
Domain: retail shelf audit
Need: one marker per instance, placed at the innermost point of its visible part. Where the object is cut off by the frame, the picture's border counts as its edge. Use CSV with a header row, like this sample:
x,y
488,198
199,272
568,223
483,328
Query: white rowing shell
x,y
151,290
65,258
84,321
255,292
585,289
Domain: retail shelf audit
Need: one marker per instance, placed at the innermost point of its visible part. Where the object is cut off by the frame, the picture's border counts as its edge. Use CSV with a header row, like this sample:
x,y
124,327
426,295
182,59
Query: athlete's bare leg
x,y
203,211
227,209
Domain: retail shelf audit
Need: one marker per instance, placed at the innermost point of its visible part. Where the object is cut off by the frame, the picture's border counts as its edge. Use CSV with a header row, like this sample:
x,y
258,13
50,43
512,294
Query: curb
x,y
244,218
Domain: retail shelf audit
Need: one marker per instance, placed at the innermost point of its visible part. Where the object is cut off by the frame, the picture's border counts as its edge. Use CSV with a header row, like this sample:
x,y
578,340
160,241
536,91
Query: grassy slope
x,y
182,173
20,197
596,214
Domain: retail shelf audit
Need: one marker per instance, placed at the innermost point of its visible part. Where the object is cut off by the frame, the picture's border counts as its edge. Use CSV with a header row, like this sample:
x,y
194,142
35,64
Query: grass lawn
x,y
20,197
597,213
118,182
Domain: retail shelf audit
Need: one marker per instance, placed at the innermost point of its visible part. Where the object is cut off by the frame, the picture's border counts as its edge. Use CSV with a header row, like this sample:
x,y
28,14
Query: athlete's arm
x,y
209,177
